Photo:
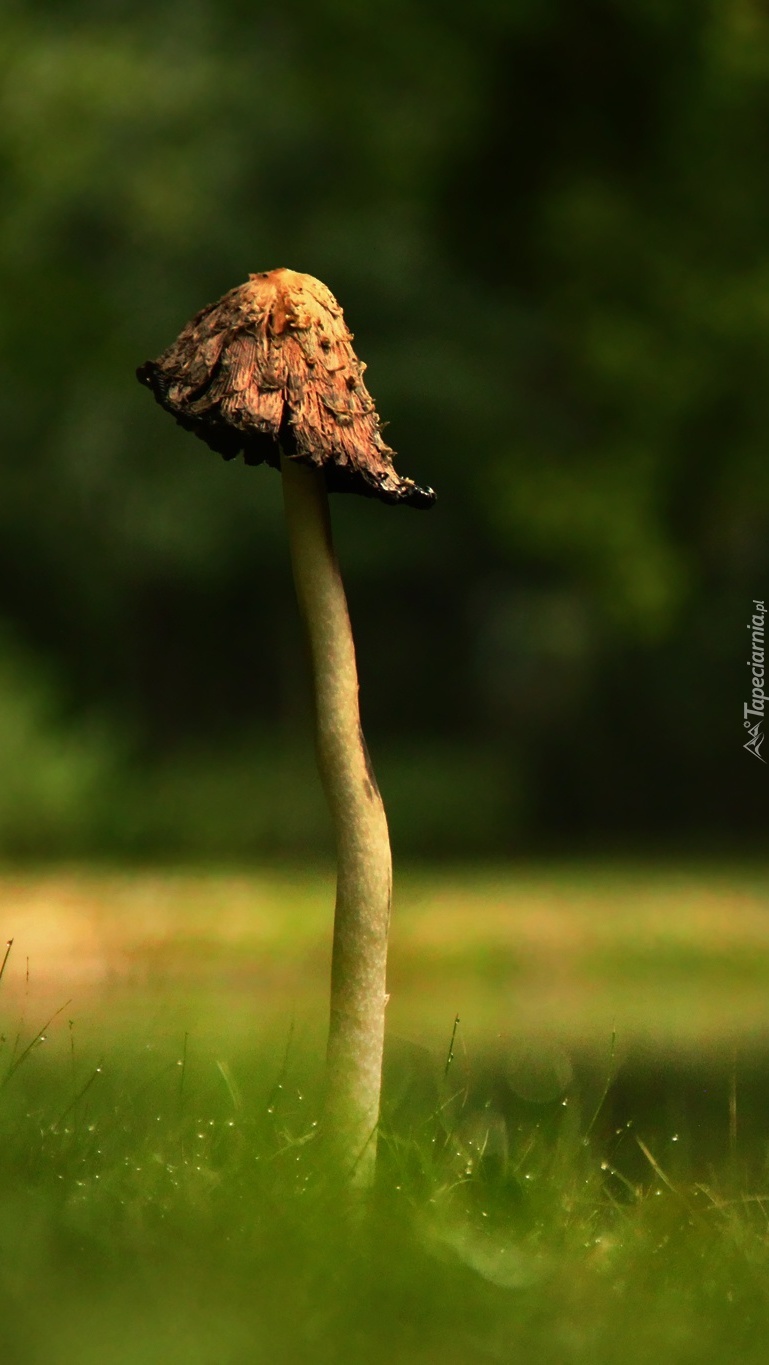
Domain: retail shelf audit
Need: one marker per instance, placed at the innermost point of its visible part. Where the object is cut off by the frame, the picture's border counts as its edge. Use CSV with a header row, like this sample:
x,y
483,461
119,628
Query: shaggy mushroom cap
x,y
270,366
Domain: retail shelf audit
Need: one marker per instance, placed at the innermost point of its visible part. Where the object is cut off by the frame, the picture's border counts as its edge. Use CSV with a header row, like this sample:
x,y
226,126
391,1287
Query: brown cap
x,y
271,366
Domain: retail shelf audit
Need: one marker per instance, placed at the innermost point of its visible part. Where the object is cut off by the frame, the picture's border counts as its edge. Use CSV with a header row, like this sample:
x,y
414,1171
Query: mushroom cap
x,y
270,366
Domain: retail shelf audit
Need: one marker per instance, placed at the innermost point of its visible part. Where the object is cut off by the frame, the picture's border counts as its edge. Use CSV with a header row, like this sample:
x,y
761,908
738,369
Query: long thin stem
x,y
364,865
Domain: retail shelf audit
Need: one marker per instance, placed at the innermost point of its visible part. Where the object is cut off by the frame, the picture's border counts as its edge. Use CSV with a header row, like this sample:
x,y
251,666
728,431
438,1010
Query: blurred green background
x,y
547,226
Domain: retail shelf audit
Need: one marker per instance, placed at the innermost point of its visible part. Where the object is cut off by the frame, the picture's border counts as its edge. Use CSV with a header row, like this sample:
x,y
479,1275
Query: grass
x,y
163,1194
175,1213
676,958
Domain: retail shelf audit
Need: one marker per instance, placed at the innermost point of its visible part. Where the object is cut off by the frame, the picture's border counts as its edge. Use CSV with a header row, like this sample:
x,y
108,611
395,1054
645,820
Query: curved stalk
x,y
364,865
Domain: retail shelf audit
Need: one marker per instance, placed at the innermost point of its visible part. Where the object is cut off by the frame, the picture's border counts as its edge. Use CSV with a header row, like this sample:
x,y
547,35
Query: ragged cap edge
x,y
270,365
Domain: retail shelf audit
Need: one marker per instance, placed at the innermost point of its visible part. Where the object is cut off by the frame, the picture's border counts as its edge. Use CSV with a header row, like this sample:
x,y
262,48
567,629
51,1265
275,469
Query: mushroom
x,y
269,371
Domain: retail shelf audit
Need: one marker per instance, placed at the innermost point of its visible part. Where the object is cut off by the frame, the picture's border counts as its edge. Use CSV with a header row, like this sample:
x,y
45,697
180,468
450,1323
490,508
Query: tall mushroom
x,y
269,371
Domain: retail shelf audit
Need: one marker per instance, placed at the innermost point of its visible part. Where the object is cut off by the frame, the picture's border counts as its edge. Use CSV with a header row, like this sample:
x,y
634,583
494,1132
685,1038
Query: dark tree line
x,y
549,230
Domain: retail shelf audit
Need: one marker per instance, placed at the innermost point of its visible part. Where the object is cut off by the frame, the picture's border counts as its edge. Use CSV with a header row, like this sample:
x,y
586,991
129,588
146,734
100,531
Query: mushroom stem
x,y
364,864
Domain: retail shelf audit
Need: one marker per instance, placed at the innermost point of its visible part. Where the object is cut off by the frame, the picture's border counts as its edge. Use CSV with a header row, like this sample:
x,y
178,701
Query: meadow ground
x,y
586,1180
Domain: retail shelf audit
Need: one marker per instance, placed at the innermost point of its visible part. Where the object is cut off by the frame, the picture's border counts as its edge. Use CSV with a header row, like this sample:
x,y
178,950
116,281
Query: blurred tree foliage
x,y
549,228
